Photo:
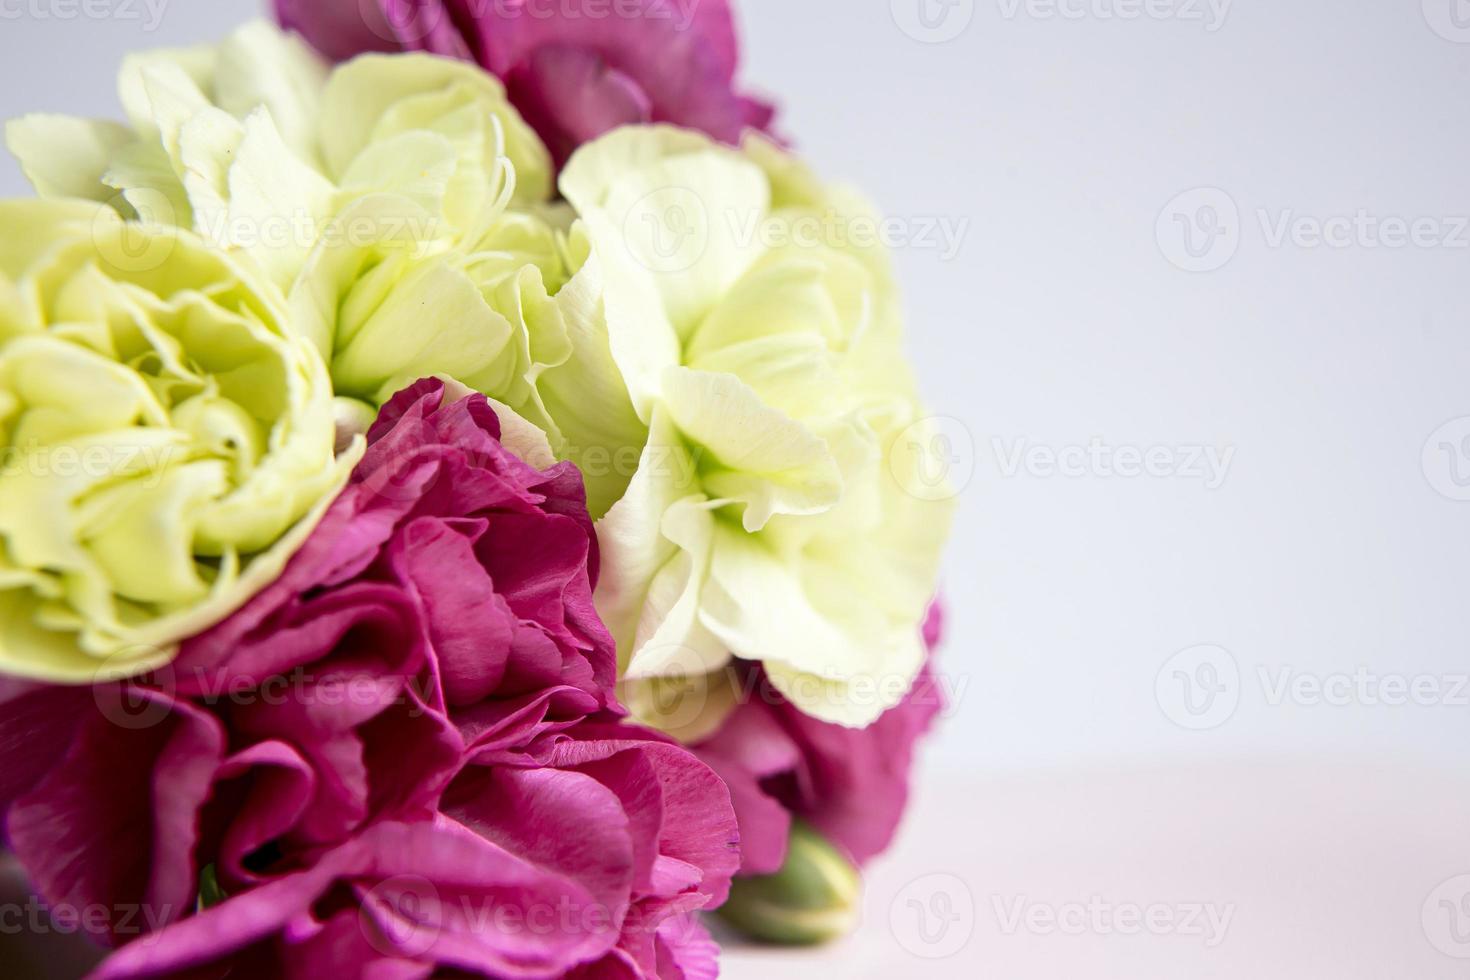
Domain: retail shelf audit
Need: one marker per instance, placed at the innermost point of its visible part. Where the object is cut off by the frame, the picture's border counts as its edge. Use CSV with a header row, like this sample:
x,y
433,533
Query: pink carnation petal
x,y
411,732
33,722
219,933
686,950
77,850
571,96
339,30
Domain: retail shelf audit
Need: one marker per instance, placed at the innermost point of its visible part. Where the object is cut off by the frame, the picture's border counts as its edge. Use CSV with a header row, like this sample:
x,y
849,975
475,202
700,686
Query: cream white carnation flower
x,y
773,516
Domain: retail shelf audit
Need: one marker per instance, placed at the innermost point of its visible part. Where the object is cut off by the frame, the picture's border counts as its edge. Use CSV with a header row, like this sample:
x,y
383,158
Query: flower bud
x,y
815,898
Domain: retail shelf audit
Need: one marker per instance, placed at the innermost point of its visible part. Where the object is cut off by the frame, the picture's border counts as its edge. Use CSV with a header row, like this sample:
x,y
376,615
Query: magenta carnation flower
x,y
574,70
404,756
852,785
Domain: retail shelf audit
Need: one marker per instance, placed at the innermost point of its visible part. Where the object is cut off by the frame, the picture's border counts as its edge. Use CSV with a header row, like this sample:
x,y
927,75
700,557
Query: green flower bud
x,y
816,897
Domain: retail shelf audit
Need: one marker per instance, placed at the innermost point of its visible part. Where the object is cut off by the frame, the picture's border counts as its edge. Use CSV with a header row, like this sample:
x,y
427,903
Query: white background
x,y
1059,138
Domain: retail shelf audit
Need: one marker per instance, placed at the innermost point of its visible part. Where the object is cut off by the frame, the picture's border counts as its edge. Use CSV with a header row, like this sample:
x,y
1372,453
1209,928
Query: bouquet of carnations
x,y
463,509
